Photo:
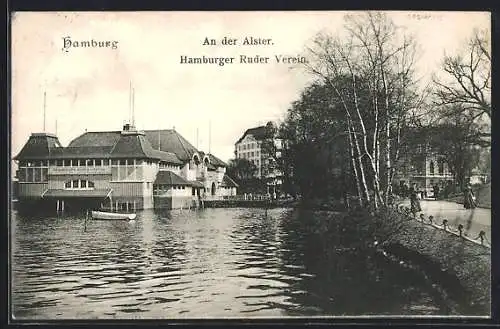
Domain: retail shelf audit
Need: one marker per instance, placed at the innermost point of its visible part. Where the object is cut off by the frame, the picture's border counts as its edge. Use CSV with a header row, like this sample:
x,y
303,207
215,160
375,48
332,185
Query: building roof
x,y
39,146
216,161
166,177
259,133
96,138
196,183
171,141
166,156
106,144
165,145
228,182
81,152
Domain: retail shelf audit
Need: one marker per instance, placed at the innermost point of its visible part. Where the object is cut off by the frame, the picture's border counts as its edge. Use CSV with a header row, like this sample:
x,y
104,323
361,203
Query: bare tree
x,y
467,79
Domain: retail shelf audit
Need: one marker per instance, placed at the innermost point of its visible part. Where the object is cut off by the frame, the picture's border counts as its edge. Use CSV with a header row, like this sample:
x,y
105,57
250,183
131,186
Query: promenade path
x,y
473,220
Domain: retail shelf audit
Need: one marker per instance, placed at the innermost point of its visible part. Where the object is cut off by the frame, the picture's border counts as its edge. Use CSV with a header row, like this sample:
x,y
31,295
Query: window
x,y
38,175
79,184
29,176
33,171
67,163
121,173
44,175
431,168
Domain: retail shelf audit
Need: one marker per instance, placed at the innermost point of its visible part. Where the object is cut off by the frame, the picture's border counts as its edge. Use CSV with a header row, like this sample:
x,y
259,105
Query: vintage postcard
x,y
224,165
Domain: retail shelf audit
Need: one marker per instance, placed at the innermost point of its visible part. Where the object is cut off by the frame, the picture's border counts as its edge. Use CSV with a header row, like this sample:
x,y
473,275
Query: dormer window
x,y
196,159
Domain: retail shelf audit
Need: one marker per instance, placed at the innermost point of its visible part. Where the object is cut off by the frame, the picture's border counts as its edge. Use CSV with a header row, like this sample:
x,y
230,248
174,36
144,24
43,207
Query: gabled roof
x,y
171,141
166,177
132,145
216,161
228,182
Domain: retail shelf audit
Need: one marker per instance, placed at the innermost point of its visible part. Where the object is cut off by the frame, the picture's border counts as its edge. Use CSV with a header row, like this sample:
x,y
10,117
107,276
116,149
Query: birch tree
x,y
373,53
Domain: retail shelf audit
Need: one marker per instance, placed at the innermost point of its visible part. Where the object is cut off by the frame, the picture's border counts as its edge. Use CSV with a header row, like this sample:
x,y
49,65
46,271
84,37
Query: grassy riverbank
x,y
457,258
458,269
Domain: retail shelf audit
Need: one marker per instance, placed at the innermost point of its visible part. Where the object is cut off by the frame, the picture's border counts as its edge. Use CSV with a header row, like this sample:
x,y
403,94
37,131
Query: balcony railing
x,y
80,170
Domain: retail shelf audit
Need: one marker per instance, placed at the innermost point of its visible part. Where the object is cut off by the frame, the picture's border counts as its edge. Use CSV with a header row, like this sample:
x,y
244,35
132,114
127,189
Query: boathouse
x,y
119,170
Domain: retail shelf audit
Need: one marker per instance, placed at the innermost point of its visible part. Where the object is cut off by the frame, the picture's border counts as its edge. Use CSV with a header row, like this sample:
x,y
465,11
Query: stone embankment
x,y
457,265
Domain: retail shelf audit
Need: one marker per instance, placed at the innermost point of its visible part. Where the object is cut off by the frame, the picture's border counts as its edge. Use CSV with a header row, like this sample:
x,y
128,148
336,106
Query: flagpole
x,y
44,108
209,136
133,107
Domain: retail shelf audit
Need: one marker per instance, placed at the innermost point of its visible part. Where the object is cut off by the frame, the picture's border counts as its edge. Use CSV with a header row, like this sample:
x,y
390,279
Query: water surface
x,y
198,264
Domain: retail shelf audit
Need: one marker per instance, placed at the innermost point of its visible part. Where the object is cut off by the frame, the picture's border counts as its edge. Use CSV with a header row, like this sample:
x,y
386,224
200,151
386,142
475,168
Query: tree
x,y
269,153
467,78
371,56
314,156
459,140
241,169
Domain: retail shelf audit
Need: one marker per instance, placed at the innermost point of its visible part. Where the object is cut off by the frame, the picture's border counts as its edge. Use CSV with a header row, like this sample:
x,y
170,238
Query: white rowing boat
x,y
112,215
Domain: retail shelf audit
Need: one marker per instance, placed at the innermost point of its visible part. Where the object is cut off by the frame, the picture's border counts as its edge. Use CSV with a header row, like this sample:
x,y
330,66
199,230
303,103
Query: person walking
x,y
436,191
414,202
469,198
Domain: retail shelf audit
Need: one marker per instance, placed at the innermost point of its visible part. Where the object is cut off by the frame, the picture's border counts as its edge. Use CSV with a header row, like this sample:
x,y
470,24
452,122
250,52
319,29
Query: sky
x,y
89,88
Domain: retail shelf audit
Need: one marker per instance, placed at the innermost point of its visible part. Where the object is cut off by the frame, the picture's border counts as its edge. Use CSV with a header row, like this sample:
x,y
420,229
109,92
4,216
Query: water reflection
x,y
211,263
